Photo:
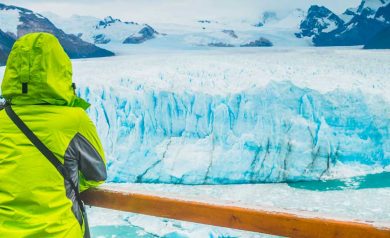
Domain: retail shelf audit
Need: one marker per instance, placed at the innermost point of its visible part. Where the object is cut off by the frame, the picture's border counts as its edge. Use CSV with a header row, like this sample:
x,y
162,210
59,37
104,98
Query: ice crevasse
x,y
276,133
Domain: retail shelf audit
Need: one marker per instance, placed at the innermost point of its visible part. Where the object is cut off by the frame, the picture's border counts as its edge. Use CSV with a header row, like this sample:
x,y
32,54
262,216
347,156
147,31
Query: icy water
x,y
380,180
130,232
118,232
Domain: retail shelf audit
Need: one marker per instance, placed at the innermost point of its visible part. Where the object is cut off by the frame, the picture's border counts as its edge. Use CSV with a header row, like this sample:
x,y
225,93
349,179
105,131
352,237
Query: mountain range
x,y
356,26
367,24
107,30
17,21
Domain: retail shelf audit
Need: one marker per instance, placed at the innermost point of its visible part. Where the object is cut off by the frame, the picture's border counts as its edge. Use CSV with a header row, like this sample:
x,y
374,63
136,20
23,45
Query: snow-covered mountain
x,y
205,32
356,26
199,33
267,17
319,20
275,30
221,34
16,22
107,30
317,26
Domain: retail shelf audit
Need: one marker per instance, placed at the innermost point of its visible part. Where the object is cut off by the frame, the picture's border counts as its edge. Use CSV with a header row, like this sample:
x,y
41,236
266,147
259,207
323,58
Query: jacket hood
x,y
39,71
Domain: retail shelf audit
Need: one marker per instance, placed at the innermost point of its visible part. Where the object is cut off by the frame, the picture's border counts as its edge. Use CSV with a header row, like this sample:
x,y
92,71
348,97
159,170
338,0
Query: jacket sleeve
x,y
92,163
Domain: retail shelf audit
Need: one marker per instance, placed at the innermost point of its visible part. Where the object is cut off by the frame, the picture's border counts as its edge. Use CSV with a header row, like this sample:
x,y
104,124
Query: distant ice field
x,y
219,71
229,70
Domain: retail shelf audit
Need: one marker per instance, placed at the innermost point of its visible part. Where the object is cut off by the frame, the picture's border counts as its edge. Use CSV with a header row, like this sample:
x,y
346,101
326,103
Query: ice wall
x,y
280,132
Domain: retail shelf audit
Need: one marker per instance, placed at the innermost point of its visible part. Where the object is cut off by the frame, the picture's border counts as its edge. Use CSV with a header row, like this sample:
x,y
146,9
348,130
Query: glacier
x,y
232,116
175,118
275,134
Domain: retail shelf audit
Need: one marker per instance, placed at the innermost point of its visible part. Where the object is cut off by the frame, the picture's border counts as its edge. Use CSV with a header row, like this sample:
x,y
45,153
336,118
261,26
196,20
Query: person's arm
x,y
92,163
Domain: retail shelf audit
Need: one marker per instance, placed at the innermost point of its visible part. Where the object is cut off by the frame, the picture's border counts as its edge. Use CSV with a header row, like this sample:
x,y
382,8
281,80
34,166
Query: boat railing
x,y
281,223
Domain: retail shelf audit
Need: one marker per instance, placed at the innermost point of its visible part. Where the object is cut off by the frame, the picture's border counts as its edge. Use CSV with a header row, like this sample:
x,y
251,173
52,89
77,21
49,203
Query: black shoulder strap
x,y
38,143
49,155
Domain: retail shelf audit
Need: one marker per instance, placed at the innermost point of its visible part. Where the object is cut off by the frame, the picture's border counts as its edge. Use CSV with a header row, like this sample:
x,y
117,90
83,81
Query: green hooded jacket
x,y
35,200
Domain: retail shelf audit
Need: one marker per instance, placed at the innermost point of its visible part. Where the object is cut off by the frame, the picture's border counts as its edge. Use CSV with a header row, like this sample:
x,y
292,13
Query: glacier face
x,y
280,132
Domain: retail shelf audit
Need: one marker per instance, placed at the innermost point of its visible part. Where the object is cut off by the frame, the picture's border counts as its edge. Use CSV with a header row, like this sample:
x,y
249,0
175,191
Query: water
x,y
380,180
120,231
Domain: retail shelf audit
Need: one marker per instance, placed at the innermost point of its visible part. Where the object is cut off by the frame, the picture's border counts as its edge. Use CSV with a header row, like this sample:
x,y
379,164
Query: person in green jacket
x,y
35,199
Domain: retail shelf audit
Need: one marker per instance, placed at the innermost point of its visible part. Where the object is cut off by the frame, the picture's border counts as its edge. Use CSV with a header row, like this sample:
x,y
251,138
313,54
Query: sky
x,y
151,11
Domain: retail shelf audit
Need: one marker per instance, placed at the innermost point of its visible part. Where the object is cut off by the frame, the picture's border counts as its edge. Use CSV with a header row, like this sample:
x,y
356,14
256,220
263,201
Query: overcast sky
x,y
175,10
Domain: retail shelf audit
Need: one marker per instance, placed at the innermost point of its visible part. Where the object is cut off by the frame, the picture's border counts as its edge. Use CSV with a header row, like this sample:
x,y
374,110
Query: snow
x,y
184,34
381,18
292,20
280,33
75,24
190,33
370,6
9,21
374,5
216,71
330,25
117,31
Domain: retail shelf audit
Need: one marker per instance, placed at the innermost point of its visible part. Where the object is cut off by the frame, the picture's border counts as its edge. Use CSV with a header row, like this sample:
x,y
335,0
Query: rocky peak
x,y
383,13
146,33
356,26
231,33
319,19
107,21
261,42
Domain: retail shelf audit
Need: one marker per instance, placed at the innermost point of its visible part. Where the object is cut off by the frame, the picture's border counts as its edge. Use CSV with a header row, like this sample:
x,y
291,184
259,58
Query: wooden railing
x,y
249,219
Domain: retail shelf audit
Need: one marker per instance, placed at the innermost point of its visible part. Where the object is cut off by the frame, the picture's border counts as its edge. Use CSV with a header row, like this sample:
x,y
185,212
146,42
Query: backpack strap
x,y
51,157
